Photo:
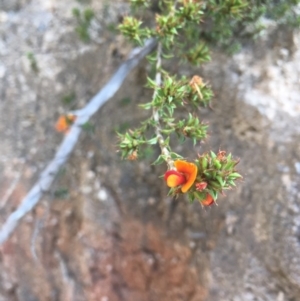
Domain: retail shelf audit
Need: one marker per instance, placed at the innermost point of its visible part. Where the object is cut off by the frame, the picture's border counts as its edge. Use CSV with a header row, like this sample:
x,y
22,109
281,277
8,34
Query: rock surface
x,y
115,235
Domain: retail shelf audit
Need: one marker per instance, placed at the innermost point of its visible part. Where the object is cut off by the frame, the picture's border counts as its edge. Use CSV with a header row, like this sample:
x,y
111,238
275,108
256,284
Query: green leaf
x,y
200,195
220,180
204,163
150,83
175,156
159,160
217,164
235,175
152,141
213,193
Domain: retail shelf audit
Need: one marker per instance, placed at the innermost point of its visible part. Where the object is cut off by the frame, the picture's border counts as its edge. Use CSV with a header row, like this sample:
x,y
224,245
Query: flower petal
x,y
190,171
174,178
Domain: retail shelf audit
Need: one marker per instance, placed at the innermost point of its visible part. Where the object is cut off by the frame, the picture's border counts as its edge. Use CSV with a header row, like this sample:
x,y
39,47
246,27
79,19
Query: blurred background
x,y
107,230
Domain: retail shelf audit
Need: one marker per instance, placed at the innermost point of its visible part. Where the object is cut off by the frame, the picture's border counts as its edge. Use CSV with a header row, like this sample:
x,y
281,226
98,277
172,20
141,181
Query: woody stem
x,y
155,113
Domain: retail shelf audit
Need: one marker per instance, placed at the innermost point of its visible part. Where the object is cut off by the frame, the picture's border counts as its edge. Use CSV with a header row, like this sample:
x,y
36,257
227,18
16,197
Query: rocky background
x,y
107,231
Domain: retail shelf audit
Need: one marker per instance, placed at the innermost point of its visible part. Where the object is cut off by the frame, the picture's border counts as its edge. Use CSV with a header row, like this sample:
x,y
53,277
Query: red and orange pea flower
x,y
174,178
64,123
185,176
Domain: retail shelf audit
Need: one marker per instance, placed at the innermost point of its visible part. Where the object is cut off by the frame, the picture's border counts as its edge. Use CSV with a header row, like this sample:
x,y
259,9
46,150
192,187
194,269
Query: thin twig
x,y
65,149
66,277
161,141
10,190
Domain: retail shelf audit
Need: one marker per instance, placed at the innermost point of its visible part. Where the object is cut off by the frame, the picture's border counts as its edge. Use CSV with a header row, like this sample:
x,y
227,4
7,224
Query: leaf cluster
x,y
230,22
171,95
132,141
191,128
218,171
131,28
223,24
186,28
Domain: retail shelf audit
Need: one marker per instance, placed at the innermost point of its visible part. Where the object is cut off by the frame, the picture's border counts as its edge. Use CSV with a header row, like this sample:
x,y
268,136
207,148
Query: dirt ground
x,y
107,230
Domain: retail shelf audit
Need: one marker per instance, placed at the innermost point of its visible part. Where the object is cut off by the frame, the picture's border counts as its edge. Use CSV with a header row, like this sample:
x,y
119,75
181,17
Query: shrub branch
x,y
155,114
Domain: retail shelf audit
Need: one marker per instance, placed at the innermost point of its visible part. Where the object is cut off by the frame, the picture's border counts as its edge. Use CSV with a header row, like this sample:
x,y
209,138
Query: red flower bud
x,y
221,155
208,201
201,186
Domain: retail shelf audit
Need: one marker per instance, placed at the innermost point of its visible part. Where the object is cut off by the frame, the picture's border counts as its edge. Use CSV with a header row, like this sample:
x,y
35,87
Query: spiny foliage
x,y
186,30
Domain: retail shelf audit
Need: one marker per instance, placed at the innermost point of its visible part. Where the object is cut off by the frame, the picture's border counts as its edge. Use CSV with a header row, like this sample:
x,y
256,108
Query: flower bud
x,y
201,186
208,201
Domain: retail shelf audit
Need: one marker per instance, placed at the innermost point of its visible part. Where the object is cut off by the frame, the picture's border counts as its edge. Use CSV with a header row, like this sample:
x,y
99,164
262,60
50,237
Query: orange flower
x,y
64,122
174,178
185,175
189,170
208,201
